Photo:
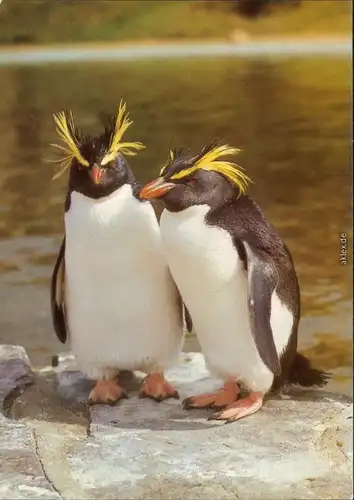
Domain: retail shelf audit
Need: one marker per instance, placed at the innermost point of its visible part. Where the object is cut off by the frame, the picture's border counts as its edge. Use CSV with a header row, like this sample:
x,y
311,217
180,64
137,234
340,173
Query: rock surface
x,y
297,446
21,472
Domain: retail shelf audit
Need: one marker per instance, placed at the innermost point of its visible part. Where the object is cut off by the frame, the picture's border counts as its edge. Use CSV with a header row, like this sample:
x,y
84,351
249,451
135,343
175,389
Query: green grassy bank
x,y
51,21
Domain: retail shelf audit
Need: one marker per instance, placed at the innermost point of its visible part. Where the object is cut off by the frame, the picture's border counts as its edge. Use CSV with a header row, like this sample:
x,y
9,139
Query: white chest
x,y
213,284
206,250
112,226
204,264
121,300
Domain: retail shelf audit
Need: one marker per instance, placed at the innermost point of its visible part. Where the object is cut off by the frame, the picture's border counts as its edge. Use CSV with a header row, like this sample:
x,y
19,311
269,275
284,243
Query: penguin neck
x,y
98,192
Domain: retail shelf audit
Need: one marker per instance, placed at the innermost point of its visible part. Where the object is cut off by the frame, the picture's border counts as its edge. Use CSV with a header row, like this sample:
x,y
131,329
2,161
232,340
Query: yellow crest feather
x,y
66,130
211,161
171,157
115,147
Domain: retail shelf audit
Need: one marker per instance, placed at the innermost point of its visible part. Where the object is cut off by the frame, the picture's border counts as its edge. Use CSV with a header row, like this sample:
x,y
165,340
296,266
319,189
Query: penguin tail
x,y
302,373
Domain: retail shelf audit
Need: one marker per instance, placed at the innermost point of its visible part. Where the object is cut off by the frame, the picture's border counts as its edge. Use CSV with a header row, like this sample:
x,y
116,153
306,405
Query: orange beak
x,y
155,189
96,174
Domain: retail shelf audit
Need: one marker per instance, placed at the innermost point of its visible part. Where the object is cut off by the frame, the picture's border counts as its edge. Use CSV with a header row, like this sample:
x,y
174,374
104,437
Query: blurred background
x,y
271,77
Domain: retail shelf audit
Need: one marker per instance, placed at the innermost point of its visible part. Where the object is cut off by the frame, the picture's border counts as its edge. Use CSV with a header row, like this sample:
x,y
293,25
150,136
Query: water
x,y
291,118
245,49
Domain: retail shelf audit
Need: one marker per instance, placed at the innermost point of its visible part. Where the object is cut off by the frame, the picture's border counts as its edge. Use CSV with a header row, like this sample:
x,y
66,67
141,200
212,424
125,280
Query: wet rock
x,y
293,448
297,446
15,373
21,473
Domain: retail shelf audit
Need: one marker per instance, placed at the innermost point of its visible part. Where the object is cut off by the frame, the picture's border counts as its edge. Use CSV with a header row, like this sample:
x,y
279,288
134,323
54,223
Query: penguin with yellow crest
x,y
112,293
236,277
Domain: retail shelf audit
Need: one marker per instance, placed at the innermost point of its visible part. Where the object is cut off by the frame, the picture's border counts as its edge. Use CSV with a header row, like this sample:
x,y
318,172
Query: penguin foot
x,y
235,411
155,386
222,398
106,392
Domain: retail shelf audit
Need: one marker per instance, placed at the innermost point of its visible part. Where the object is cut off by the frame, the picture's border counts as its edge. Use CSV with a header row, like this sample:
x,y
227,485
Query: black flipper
x,y
262,280
188,319
57,296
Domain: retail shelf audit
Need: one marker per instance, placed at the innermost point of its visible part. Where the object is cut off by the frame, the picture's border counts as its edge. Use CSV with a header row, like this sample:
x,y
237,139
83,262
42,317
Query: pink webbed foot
x,y
155,386
242,408
106,392
222,398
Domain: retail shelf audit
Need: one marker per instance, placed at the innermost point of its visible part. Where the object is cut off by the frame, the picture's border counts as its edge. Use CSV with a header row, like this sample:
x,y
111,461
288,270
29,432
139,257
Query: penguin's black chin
x,y
155,189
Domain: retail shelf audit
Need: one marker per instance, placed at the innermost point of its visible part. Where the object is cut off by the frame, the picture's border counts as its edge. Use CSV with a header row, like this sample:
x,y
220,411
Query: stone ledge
x,y
298,446
15,372
21,472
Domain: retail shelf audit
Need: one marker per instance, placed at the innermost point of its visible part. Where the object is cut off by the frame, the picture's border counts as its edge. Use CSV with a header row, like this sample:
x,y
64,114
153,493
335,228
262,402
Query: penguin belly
x,y
213,283
123,310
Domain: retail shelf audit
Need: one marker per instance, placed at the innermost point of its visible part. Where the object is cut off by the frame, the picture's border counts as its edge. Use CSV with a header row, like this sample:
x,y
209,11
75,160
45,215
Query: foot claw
x,y
214,416
157,388
187,404
143,395
246,406
106,392
220,399
190,404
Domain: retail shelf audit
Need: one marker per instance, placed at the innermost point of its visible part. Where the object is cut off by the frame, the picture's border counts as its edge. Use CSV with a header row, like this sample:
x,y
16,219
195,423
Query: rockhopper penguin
x,y
236,277
112,293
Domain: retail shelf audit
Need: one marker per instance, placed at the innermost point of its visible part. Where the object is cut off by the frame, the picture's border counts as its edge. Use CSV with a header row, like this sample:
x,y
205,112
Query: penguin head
x,y
205,178
97,164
